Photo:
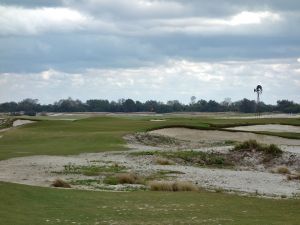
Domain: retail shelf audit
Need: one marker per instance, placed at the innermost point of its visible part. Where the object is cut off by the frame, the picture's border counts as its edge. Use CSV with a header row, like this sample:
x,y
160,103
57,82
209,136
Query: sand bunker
x,y
17,123
268,127
194,135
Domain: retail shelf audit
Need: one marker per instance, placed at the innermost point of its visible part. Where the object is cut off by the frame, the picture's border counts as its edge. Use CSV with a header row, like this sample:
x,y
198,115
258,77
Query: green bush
x,y
253,145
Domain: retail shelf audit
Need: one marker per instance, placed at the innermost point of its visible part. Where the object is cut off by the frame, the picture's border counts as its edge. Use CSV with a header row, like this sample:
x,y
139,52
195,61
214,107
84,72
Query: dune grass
x,y
23,205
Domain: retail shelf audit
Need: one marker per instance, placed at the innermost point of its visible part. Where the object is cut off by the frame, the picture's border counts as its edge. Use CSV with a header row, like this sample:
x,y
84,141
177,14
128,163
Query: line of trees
x,y
32,106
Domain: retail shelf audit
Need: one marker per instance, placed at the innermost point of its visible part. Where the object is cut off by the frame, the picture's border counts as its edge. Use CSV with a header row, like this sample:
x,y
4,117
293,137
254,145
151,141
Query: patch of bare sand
x,y
268,127
213,136
38,171
17,123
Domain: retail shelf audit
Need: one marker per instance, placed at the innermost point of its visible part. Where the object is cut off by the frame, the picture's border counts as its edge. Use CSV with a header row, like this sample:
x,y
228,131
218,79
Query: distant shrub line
x,y
32,106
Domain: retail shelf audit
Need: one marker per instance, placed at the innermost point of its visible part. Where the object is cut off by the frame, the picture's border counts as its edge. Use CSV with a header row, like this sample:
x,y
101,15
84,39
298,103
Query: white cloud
x,y
246,17
298,60
17,20
177,79
213,25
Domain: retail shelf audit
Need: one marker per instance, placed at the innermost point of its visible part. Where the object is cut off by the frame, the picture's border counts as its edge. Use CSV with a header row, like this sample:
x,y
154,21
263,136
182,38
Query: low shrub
x,y
253,145
172,186
60,183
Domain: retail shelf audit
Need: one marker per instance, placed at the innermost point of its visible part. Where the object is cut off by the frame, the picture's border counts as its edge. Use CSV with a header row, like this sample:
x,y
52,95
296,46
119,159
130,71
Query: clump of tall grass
x,y
123,178
172,186
60,183
295,176
283,170
163,161
253,145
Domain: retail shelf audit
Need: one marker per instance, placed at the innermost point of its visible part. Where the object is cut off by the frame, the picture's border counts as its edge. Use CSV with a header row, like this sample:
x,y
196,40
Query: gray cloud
x,y
178,79
75,37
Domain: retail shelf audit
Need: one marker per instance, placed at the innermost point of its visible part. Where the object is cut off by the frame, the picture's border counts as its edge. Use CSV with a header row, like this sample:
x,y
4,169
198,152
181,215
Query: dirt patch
x,y
268,127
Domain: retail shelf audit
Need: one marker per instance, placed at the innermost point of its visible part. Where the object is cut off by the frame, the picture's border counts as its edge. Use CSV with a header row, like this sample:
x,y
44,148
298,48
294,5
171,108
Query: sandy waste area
x,y
253,177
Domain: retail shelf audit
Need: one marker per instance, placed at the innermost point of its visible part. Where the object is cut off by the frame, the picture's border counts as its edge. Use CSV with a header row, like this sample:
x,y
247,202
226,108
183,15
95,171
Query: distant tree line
x,y
32,106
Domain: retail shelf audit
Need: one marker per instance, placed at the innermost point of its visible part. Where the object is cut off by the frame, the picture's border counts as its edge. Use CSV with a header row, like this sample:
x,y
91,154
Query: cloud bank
x,y
162,49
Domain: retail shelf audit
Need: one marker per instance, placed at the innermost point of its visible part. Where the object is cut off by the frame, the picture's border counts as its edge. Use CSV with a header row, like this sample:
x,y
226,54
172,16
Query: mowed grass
x,y
24,205
96,134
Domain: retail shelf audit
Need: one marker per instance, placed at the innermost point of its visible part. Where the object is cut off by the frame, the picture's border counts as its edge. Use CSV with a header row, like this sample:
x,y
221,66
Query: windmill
x,y
258,91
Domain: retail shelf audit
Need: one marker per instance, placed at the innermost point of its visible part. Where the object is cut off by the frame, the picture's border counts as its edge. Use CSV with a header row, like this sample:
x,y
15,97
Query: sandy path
x,y
37,170
268,127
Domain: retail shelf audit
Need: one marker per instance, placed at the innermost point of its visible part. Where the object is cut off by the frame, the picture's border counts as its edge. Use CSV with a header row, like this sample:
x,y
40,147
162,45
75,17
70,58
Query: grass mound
x,y
172,186
253,145
60,183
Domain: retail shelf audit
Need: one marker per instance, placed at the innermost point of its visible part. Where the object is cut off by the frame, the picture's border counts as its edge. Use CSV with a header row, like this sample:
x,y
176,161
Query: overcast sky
x,y
149,49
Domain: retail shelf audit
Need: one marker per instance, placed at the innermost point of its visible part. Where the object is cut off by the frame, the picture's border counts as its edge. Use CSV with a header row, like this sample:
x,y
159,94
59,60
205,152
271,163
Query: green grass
x,y
97,134
197,158
23,205
92,170
251,145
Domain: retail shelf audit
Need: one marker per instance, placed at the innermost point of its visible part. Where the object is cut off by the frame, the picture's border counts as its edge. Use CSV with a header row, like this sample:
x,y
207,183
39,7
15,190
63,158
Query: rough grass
x,y
199,158
295,176
124,178
163,161
253,145
60,183
172,186
91,170
283,170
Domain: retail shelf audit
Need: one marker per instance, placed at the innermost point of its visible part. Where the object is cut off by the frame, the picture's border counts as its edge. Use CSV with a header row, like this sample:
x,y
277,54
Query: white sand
x,y
268,127
37,170
17,123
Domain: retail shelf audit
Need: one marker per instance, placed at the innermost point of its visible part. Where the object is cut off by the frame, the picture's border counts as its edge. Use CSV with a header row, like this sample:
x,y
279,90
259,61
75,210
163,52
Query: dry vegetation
x,y
283,170
60,183
124,178
172,186
295,176
254,146
163,161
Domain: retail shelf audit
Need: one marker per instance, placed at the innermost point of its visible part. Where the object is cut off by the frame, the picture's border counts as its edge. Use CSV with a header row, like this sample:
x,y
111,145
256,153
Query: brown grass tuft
x,y
295,176
172,186
60,183
283,170
127,178
163,161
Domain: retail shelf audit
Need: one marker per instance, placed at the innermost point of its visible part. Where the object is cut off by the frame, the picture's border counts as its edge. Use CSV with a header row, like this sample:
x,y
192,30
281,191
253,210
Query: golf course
x,y
24,202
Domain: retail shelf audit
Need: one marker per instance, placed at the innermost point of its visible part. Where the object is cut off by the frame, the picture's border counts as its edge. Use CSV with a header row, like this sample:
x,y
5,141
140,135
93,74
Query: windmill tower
x,y
258,90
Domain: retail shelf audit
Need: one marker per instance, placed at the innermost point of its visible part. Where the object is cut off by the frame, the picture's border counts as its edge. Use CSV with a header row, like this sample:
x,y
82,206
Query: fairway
x,y
97,134
23,205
